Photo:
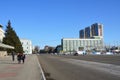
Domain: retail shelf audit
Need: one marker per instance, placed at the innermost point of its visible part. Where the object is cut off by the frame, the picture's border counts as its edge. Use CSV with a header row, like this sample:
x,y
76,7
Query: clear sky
x,y
46,22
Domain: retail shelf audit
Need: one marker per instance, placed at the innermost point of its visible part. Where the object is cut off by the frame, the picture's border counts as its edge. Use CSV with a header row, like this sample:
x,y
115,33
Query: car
x,y
75,54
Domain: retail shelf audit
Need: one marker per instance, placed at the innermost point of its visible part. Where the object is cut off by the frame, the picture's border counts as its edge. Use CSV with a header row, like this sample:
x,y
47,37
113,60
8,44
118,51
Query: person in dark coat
x,y
19,57
23,58
13,56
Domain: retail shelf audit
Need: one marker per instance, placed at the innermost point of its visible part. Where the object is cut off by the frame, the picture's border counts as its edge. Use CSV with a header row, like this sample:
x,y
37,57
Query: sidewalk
x,y
10,70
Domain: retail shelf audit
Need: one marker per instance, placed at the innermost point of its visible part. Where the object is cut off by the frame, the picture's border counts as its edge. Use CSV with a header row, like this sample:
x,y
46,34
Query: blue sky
x,y
46,22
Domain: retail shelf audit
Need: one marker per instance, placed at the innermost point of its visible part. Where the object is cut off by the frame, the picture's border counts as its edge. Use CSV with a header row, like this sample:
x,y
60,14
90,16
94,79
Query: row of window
x,y
93,30
75,44
27,43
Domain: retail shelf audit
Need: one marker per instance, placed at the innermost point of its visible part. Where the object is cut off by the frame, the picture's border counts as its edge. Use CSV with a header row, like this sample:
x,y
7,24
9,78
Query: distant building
x,y
89,38
71,44
49,49
97,30
2,35
89,32
46,48
82,34
27,46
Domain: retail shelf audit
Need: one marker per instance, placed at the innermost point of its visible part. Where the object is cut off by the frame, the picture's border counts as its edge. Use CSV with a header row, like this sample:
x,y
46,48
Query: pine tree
x,y
1,26
12,39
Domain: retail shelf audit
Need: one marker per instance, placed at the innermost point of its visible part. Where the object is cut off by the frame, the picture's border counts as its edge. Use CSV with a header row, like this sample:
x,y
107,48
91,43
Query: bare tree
x,y
36,49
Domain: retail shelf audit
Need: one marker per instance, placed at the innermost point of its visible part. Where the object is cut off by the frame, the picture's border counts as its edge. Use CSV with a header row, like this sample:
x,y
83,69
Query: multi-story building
x,y
2,35
94,30
87,33
82,34
27,46
71,44
97,30
90,38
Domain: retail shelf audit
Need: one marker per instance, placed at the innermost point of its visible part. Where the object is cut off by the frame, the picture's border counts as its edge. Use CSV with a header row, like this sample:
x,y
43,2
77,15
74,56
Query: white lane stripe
x,y
41,71
109,68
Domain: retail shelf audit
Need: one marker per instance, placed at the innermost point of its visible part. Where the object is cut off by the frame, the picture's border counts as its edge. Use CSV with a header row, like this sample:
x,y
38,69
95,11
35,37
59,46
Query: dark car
x,y
75,54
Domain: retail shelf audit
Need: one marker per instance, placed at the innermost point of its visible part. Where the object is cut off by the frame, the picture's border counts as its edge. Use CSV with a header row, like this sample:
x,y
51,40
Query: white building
x,y
89,38
27,46
1,34
74,44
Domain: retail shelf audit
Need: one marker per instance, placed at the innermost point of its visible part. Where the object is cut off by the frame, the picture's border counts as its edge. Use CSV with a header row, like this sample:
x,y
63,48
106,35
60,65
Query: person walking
x,y
23,58
19,57
13,56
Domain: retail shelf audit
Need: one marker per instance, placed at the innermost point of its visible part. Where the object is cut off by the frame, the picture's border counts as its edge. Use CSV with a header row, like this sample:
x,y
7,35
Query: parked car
x,y
75,54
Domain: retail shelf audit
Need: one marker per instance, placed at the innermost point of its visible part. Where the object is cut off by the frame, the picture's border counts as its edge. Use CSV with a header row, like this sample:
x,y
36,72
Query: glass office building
x,y
87,32
97,29
82,34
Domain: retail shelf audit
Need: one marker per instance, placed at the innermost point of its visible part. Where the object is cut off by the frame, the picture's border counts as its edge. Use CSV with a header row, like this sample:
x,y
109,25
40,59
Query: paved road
x,y
72,68
110,59
10,70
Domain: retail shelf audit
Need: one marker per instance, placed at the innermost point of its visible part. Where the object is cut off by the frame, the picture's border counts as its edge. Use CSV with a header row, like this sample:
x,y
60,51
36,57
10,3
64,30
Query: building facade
x,y
82,34
95,29
87,33
2,35
27,46
70,44
89,38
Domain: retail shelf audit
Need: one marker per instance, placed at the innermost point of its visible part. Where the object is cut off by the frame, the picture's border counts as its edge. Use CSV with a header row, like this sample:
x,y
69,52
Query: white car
x,y
80,52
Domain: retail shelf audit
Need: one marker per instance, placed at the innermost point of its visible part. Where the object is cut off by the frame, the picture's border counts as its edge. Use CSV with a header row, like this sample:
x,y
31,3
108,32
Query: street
x,y
88,67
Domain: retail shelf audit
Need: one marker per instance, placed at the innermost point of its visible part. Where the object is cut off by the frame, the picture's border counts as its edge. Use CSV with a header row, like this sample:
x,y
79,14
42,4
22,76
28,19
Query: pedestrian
x,y
23,58
19,57
13,56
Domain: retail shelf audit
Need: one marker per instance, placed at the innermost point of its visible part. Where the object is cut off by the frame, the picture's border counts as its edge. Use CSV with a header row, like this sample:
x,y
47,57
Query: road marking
x,y
41,71
108,68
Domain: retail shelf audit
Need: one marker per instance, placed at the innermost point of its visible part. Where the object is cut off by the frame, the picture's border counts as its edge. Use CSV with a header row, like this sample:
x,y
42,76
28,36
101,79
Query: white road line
x,y
108,68
41,71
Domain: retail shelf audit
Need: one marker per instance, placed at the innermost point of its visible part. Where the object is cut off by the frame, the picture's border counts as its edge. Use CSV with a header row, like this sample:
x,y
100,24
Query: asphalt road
x,y
78,67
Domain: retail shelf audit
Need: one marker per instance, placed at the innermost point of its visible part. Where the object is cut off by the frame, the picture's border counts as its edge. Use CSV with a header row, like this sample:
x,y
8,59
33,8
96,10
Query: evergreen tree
x,y
12,39
1,26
